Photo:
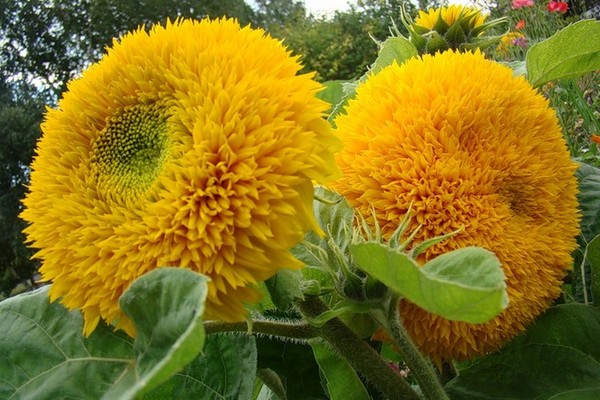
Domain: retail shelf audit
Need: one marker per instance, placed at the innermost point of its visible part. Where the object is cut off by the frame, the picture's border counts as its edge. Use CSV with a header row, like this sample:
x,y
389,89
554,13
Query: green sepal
x,y
435,43
455,35
440,25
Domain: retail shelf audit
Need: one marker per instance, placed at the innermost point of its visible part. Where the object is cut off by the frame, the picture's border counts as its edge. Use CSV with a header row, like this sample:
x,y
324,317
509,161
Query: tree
x,y
50,42
341,47
19,129
273,15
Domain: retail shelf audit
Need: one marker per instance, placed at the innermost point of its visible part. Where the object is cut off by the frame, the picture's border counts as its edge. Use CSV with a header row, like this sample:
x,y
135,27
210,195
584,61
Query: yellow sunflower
x,y
194,145
469,16
454,27
469,146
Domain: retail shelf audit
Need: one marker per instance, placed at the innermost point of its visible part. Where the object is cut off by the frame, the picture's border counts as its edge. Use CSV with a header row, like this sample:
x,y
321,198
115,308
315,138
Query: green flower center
x,y
130,151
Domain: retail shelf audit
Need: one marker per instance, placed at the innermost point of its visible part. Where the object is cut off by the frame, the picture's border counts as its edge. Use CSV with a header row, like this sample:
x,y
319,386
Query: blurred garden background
x,y
46,43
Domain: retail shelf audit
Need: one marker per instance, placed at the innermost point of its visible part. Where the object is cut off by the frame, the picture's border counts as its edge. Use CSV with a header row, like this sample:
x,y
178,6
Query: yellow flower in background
x,y
509,40
194,145
450,28
469,146
469,16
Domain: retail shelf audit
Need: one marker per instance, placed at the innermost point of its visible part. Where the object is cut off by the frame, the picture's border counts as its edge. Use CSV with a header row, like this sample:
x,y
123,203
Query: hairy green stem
x,y
274,328
358,353
420,367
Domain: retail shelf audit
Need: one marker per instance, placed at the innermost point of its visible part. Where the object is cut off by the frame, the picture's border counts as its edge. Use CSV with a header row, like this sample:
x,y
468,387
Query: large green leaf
x,y
462,285
341,380
589,200
225,370
45,355
592,253
395,48
572,52
557,358
296,366
332,93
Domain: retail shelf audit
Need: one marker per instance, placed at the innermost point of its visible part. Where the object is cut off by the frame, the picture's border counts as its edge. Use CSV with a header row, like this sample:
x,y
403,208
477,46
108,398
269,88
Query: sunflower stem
x,y
280,329
358,353
420,367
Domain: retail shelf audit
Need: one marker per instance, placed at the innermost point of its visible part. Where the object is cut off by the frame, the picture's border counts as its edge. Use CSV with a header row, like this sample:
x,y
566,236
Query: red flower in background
x,y
557,6
520,25
516,4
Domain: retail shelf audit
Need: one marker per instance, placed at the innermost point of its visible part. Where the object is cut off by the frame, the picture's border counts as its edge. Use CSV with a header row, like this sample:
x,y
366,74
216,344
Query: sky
x,y
320,7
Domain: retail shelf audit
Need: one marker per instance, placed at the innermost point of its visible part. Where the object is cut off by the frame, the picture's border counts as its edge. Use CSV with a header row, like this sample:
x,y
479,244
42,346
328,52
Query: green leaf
x,y
518,67
569,53
395,48
45,355
272,381
593,257
349,89
166,306
225,370
589,200
296,366
557,358
284,288
345,307
332,93
341,380
463,285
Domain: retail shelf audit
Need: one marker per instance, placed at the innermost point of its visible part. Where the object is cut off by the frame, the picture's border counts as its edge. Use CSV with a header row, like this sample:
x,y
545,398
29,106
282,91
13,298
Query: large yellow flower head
x,y
472,147
194,145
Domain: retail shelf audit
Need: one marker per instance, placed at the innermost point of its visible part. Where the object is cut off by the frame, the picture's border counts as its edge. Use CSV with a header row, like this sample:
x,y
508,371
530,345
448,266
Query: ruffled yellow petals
x,y
469,146
193,145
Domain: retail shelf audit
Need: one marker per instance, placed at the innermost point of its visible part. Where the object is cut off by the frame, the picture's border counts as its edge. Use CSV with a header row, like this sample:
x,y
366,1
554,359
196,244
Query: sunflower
x,y
470,17
454,27
472,147
195,145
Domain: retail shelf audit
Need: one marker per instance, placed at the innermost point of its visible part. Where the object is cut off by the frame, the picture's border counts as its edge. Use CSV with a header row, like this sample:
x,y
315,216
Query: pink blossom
x,y
516,4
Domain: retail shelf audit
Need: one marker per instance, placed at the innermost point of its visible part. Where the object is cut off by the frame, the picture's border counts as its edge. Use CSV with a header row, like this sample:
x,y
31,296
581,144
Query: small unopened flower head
x,y
450,28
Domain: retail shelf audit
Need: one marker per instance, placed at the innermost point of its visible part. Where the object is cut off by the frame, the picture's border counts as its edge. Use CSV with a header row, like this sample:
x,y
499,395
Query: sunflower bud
x,y
454,27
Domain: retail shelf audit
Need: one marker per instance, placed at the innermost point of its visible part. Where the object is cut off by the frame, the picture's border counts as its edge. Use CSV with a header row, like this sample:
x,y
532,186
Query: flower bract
x,y
465,145
194,145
